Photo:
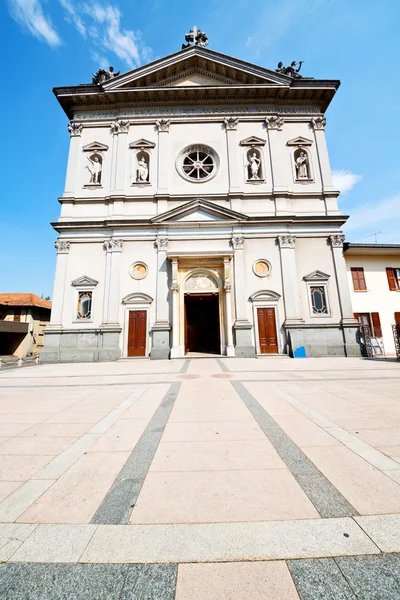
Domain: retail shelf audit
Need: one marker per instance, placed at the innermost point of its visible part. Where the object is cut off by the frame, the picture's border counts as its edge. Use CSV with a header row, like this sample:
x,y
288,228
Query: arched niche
x,y
95,168
137,298
201,280
143,166
254,165
302,164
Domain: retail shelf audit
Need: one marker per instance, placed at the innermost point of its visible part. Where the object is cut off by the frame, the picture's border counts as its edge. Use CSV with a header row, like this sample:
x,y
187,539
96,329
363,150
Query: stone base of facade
x,y
74,345
244,347
160,349
324,340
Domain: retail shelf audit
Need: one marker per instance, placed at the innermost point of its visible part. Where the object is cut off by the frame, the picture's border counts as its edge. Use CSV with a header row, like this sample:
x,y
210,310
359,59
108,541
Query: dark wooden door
x,y
267,331
137,333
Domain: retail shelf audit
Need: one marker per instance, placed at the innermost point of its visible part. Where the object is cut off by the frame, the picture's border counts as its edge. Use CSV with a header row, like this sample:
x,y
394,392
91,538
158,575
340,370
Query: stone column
x,y
318,125
291,293
59,283
244,347
230,349
160,342
175,350
278,157
233,167
349,323
163,126
75,131
120,147
111,327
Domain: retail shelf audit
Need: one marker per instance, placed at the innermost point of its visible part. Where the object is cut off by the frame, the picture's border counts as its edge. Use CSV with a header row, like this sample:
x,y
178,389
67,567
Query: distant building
x,y
374,279
23,318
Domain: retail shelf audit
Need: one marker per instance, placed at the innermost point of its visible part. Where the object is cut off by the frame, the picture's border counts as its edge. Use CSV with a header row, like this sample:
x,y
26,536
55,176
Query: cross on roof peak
x,y
195,37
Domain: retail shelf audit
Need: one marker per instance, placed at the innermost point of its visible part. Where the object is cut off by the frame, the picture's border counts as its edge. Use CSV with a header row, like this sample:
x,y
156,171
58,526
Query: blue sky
x,y
47,43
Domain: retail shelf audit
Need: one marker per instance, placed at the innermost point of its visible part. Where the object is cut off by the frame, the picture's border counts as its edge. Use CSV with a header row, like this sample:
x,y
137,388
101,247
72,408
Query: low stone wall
x,y
325,340
80,346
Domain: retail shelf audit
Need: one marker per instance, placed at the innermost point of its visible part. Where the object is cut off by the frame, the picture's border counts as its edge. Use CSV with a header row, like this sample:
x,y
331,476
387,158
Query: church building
x,y
199,215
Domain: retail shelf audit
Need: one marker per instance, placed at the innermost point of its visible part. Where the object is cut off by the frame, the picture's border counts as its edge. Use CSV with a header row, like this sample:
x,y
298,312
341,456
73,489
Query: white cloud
x,y
384,215
29,14
73,16
345,180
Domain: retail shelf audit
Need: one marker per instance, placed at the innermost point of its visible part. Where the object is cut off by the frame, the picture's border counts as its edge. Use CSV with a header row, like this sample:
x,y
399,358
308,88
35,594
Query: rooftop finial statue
x,y
195,37
291,70
104,75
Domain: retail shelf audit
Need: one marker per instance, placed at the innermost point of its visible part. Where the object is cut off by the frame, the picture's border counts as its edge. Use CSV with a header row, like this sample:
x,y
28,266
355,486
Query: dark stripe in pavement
x,y
223,366
184,368
117,505
87,582
327,500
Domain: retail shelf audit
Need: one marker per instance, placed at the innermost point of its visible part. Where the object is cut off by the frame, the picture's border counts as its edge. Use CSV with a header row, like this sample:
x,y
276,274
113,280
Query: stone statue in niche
x,y
253,167
142,170
302,165
94,168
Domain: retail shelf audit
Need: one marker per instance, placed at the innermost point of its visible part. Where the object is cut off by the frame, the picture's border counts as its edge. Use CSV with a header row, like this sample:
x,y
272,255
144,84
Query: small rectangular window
x,y
318,300
84,305
393,275
358,276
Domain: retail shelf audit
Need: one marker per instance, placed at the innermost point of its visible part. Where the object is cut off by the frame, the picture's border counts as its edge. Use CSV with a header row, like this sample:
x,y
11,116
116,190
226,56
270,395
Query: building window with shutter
x,y
358,276
371,321
393,275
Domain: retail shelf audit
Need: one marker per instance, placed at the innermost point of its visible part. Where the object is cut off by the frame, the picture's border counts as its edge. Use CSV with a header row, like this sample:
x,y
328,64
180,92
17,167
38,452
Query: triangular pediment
x,y
199,210
316,276
95,146
142,144
253,141
196,67
299,141
84,281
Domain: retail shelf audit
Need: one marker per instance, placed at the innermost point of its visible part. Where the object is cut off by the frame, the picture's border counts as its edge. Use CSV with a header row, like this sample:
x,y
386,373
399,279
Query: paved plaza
x,y
201,479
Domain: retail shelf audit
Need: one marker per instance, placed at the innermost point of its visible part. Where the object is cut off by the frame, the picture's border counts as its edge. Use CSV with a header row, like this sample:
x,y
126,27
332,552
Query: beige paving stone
x,y
210,431
16,503
304,432
212,414
55,543
57,430
59,465
24,417
392,451
35,445
384,530
216,456
12,536
121,437
221,496
238,581
76,417
75,497
21,467
379,437
220,542
12,429
367,422
364,486
8,487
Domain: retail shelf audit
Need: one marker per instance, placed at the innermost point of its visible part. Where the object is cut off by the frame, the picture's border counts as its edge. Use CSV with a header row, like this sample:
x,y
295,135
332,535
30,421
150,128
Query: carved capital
x,y
75,129
275,122
62,246
318,122
175,287
286,241
227,286
119,126
163,124
161,244
112,245
237,242
231,123
337,240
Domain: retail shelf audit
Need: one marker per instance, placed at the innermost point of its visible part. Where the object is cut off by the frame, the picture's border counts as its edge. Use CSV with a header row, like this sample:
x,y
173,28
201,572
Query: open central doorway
x,y
202,323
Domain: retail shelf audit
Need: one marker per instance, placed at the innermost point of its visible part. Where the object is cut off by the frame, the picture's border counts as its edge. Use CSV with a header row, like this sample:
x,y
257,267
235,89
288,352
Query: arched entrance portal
x,y
202,313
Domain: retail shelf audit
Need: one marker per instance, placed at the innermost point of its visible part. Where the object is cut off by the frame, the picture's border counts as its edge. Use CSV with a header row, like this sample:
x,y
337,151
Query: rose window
x,y
197,163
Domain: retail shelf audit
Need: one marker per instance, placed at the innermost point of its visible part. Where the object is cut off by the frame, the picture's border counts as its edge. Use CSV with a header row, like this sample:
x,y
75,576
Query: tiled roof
x,y
24,300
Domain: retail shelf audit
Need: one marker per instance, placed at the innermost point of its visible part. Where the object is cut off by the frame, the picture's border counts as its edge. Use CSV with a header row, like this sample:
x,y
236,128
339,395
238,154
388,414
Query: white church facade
x,y
199,216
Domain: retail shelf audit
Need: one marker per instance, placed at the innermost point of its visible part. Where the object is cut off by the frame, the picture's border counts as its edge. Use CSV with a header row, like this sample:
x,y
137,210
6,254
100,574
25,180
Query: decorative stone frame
x,y
82,284
265,261
142,149
197,148
254,145
320,279
298,145
136,301
133,265
95,149
266,299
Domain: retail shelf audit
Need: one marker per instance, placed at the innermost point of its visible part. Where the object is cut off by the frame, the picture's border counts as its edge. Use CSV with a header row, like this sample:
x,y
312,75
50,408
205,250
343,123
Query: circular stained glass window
x,y
262,268
138,270
197,163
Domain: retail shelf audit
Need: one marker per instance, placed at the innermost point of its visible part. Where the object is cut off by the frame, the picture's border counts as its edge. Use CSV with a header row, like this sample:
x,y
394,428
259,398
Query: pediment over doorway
x,y
199,210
